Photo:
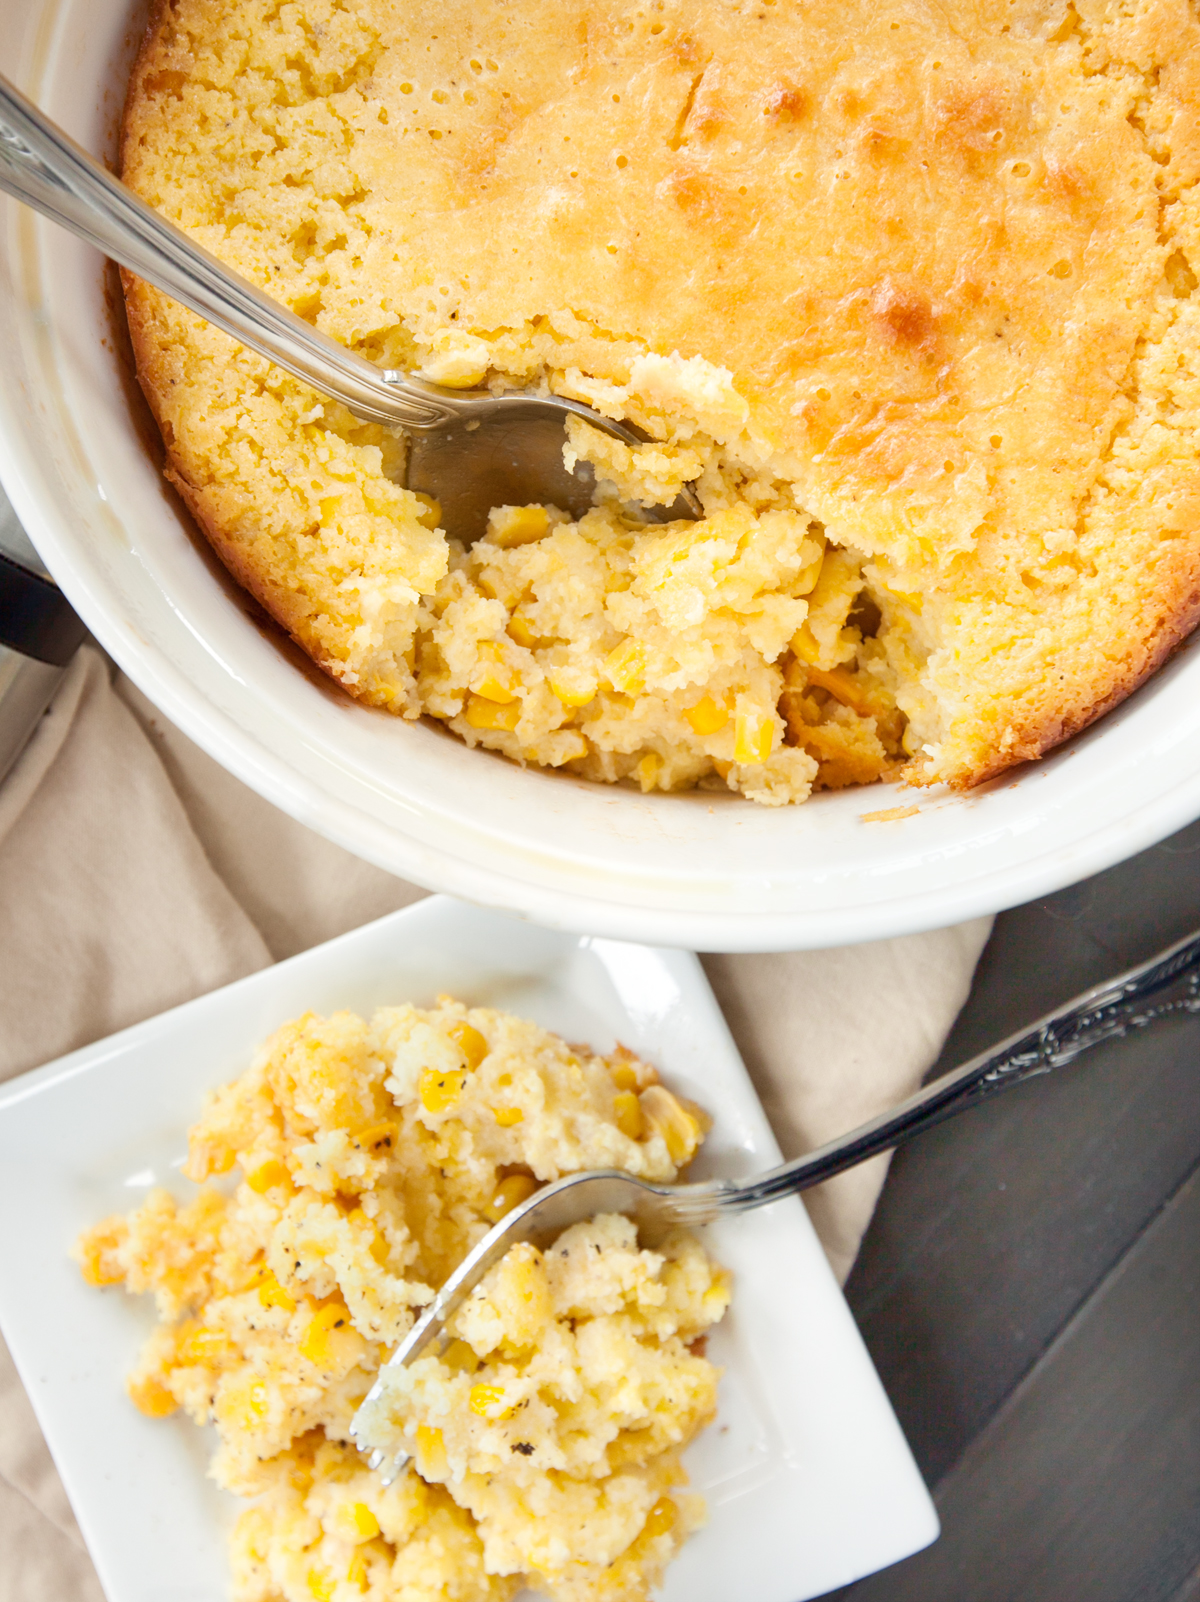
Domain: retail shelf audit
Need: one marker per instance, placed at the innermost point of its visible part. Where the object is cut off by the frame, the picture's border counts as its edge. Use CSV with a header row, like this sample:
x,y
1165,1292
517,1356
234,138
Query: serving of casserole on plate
x,y
806,1476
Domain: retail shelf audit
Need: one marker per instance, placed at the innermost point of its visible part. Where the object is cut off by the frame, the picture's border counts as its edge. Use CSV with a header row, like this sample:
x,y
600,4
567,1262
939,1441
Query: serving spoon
x,y
1170,980
470,449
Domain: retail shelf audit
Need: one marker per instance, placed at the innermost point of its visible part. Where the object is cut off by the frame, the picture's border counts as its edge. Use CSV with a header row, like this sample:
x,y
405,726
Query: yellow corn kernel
x,y
379,1139
317,1341
431,515
723,768
506,1117
812,557
440,1091
523,1291
678,1124
204,1347
497,685
459,1357
630,1072
152,1398
625,667
431,1452
484,714
660,1519
97,1262
804,645
717,1297
353,1521
222,1160
242,1403
627,1112
510,1193
489,651
517,525
207,1156
707,716
254,1533
322,1584
570,693
559,747
520,633
454,369
753,738
272,1294
470,1042
256,1405
488,1402
910,598
843,687
363,1521
265,1175
648,770
356,1573
378,1248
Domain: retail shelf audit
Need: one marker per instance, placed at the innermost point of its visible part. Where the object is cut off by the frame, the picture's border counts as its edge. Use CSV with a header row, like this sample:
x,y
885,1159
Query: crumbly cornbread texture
x,y
909,289
364,1159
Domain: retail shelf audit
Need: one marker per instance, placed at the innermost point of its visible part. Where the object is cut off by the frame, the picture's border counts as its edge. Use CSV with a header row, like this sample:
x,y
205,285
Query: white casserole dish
x,y
699,870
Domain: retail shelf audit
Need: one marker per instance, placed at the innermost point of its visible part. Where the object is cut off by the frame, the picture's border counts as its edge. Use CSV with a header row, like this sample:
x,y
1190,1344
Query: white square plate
x,y
809,1481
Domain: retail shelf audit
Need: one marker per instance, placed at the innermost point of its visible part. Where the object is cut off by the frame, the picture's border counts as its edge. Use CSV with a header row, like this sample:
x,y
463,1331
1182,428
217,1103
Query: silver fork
x,y
1107,1010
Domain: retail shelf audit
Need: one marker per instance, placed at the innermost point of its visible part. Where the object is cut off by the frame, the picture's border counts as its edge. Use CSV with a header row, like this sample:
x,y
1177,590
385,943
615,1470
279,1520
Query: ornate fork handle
x,y
1168,983
1104,1014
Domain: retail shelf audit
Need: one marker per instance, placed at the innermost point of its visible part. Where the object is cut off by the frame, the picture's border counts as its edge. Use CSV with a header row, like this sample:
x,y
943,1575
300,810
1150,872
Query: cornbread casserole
x,y
545,1441
909,290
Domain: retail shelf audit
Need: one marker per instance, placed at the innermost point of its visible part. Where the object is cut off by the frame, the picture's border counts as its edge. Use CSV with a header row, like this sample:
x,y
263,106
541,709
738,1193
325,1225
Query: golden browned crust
x,y
283,606
1181,614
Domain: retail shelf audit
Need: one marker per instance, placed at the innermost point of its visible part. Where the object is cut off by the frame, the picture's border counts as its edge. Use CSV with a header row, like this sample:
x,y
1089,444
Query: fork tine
x,y
540,1219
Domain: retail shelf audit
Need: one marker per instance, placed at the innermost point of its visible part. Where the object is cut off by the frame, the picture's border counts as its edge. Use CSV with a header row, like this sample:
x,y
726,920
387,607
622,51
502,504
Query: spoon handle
x,y
1168,983
41,166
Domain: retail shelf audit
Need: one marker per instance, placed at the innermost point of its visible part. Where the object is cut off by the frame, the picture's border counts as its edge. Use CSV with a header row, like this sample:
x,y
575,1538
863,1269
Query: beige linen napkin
x,y
135,873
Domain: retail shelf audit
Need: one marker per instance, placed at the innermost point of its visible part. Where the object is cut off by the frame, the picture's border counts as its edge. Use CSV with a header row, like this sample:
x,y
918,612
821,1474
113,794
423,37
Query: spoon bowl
x,y
509,454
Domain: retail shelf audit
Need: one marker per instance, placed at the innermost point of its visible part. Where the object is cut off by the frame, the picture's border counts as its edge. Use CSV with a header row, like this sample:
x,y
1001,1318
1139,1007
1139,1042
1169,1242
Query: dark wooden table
x,y
1030,1285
